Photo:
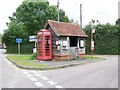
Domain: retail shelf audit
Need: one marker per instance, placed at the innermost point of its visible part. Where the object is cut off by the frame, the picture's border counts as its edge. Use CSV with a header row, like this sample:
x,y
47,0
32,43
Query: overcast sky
x,y
106,11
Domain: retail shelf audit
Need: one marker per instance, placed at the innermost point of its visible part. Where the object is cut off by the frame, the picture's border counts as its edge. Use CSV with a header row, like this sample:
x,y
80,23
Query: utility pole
x,y
81,15
92,31
91,41
58,10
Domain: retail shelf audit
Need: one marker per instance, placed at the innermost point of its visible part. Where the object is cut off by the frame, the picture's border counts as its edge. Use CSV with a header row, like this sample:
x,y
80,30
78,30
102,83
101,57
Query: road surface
x,y
103,74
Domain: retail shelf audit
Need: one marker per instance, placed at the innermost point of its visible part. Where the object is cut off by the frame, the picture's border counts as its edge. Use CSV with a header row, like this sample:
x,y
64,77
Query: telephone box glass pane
x,y
47,45
40,45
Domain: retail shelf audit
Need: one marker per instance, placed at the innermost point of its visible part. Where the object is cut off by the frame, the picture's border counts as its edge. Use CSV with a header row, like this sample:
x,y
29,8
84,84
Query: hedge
x,y
104,47
25,48
105,39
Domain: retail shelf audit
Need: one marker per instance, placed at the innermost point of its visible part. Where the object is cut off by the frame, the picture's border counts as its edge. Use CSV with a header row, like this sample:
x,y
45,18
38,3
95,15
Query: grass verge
x,y
94,57
25,60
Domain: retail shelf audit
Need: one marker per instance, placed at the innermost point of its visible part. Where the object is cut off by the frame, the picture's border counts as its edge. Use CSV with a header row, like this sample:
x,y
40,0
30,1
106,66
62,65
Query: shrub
x,y
34,56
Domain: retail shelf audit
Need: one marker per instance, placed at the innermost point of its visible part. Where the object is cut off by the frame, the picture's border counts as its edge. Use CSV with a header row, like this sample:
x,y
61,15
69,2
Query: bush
x,y
34,56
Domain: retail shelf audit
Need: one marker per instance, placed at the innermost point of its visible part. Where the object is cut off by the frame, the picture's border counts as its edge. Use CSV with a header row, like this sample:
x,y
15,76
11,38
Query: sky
x,y
106,11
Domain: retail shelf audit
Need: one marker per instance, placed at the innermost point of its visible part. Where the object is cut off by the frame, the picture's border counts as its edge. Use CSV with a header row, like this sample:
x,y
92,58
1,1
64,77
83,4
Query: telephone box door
x,y
44,45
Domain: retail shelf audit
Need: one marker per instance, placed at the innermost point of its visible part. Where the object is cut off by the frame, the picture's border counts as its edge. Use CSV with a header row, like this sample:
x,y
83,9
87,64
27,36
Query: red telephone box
x,y
44,44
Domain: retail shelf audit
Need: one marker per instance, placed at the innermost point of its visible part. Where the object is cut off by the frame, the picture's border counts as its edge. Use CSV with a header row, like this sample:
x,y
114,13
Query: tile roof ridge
x,y
63,22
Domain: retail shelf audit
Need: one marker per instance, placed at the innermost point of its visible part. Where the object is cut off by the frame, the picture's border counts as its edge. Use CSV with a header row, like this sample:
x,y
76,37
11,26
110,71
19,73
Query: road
x,y
103,74
11,76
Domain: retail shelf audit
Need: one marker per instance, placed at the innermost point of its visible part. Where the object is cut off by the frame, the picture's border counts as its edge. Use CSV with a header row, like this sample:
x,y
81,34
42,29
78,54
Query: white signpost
x,y
33,39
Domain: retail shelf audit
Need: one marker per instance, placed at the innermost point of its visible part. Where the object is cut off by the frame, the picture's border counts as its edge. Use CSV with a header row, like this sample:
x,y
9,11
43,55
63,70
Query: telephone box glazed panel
x,y
44,45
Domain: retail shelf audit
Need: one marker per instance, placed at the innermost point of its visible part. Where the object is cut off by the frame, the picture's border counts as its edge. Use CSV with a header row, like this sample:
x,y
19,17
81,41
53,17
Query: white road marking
x,y
33,79
34,72
58,86
38,84
41,71
51,82
28,75
38,74
25,72
44,78
22,70
42,61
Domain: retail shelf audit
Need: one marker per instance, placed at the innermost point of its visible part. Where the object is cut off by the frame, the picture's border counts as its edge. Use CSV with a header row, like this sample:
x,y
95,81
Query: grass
x,y
20,57
91,58
94,57
25,60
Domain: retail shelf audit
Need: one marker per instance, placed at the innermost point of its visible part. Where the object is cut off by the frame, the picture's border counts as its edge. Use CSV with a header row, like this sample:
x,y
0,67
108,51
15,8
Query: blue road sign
x,y
18,40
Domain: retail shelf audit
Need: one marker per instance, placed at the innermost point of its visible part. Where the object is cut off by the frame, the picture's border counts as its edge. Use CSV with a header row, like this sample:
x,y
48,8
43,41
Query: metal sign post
x,y
18,48
18,40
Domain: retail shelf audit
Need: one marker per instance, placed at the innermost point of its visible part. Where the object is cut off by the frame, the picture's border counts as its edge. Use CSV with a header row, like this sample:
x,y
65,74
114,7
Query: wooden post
x,y
81,15
91,40
58,10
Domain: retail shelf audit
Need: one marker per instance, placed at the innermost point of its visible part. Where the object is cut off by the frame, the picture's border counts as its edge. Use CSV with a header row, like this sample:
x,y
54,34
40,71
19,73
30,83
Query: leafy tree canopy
x,y
0,37
118,24
29,18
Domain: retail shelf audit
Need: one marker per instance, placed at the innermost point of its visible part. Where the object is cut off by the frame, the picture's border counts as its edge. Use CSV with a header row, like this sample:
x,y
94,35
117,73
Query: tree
x,y
118,22
118,27
28,19
15,30
0,37
74,22
31,17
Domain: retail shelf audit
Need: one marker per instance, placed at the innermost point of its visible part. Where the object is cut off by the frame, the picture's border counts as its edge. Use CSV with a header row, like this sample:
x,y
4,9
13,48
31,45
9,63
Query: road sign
x,y
92,43
32,38
93,30
92,46
18,40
